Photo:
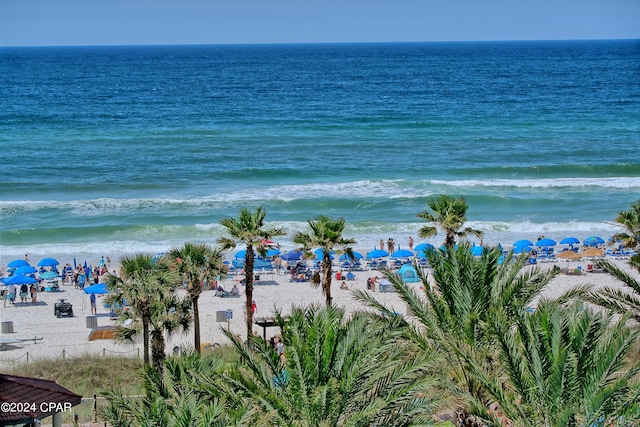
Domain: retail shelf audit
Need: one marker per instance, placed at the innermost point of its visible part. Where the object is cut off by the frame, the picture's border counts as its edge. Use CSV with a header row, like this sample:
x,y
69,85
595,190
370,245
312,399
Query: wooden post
x,y
95,408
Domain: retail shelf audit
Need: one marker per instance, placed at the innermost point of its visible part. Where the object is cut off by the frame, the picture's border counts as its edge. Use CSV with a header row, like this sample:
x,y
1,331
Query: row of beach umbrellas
x,y
589,241
21,271
44,262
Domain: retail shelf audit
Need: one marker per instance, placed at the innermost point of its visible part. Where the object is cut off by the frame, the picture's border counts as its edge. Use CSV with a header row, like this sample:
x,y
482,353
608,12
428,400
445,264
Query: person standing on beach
x,y
92,298
410,243
13,289
24,291
381,245
34,293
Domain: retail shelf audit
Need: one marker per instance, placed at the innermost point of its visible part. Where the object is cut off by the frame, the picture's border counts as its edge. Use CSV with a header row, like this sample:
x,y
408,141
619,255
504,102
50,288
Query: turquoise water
x,y
108,150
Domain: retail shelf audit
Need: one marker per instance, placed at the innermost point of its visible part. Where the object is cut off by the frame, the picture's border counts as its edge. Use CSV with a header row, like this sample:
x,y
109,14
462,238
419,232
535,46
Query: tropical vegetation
x,y
198,264
630,221
249,228
448,213
625,300
455,315
147,286
562,365
326,235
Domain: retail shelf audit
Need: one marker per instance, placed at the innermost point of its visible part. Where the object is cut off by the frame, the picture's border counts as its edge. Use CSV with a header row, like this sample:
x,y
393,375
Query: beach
x,y
68,337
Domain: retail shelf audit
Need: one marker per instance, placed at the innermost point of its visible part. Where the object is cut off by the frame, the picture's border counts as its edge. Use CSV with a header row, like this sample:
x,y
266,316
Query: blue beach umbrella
x,y
523,242
520,249
242,254
98,289
292,256
48,275
569,241
18,263
320,253
273,252
48,262
423,247
356,255
593,241
26,269
377,253
402,253
545,243
477,250
19,280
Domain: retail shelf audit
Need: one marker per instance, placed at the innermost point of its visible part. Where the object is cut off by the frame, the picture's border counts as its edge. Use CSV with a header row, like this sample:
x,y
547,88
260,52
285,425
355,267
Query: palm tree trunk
x,y
326,261
157,349
145,340
196,321
248,277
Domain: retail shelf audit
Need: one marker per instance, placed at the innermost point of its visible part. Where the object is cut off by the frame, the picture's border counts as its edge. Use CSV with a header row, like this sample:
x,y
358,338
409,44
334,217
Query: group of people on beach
x,y
391,244
24,291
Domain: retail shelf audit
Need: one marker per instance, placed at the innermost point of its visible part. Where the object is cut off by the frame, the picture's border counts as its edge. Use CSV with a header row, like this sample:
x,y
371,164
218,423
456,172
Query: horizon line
x,y
322,43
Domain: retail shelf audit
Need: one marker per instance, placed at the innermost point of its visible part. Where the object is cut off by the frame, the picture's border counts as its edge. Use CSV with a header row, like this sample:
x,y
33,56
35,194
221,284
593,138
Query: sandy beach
x,y
68,336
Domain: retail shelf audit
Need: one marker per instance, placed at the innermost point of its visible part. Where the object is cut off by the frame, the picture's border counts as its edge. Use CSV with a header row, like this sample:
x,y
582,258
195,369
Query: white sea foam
x,y
612,182
363,189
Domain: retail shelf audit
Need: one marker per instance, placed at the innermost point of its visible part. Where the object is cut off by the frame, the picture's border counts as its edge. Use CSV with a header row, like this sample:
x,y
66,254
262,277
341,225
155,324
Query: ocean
x,y
114,150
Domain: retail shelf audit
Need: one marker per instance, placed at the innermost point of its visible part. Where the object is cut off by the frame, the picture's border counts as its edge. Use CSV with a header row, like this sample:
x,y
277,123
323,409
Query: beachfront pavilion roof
x,y
265,322
43,396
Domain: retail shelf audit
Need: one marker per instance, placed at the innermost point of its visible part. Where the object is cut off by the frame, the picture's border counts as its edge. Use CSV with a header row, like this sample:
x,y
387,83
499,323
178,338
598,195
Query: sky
x,y
143,22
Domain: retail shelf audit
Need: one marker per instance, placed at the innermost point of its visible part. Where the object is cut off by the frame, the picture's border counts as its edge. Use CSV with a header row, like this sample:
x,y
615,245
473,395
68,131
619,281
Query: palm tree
x,y
448,213
618,300
175,398
563,366
249,229
630,220
455,313
326,233
142,284
338,371
168,316
198,264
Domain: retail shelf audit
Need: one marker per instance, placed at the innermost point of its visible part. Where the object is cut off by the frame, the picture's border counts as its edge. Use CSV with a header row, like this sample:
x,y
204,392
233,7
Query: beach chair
x,y
351,276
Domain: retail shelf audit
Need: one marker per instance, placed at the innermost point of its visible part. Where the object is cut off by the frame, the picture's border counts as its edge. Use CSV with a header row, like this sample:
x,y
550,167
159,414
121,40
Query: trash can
x,y
7,327
92,322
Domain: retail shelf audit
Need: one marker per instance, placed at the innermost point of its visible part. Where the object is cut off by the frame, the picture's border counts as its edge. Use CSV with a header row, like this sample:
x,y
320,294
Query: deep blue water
x,y
106,150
